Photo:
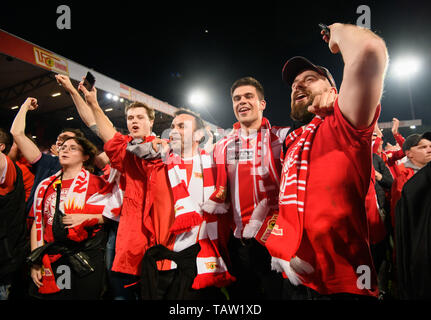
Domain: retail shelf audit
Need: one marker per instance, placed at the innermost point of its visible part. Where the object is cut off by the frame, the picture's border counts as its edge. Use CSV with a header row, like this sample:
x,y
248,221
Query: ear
x,y
2,147
86,157
262,105
151,124
408,154
198,135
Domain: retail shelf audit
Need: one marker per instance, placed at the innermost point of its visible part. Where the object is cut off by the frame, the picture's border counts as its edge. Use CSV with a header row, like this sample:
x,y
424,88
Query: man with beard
x,y
320,240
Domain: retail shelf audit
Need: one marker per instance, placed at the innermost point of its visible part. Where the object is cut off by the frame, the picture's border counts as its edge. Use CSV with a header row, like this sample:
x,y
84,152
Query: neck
x,y
71,172
249,128
416,164
189,153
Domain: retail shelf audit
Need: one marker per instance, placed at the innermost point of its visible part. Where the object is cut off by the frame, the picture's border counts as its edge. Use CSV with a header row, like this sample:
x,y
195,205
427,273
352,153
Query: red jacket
x,y
135,230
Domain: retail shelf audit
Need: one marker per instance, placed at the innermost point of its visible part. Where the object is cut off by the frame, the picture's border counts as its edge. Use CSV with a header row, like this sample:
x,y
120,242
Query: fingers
x,y
31,103
36,275
323,104
155,144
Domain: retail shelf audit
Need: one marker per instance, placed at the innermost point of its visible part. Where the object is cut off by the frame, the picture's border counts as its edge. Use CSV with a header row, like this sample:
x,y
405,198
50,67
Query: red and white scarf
x,y
286,235
265,176
211,268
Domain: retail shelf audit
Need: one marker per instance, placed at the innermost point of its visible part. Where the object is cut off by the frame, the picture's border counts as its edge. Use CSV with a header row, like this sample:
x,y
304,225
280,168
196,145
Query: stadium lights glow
x,y
70,118
406,66
198,98
14,108
109,109
34,137
56,94
115,98
413,127
109,96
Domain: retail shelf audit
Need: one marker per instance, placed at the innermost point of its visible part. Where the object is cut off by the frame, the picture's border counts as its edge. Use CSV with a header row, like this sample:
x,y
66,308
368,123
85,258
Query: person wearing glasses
x,y
67,239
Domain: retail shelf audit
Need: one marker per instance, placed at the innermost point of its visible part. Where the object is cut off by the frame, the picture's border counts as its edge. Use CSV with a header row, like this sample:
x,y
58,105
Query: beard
x,y
299,110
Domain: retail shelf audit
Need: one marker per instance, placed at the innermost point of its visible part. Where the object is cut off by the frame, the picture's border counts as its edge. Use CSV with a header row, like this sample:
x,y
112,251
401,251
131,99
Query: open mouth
x,y
135,128
243,110
300,97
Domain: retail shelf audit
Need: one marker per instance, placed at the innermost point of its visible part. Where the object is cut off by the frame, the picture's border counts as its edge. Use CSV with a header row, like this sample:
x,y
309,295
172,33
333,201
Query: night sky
x,y
166,49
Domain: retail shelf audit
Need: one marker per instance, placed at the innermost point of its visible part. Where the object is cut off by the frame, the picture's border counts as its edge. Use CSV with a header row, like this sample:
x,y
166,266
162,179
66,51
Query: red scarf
x,y
211,268
291,204
264,161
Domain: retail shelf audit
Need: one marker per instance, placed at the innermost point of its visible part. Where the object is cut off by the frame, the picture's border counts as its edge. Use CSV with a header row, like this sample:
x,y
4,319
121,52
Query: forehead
x,y
70,142
244,90
423,142
183,118
66,133
137,111
306,73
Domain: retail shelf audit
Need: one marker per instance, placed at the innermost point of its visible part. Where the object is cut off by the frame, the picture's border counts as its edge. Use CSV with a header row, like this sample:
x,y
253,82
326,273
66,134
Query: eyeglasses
x,y
72,148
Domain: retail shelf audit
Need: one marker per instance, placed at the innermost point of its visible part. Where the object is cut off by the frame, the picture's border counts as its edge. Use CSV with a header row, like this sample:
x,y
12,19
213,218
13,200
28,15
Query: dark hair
x,y
7,139
198,120
248,81
77,132
150,111
88,149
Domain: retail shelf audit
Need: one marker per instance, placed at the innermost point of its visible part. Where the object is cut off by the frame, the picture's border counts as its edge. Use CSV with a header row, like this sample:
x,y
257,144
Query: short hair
x,y
88,149
77,132
198,120
150,111
7,139
248,81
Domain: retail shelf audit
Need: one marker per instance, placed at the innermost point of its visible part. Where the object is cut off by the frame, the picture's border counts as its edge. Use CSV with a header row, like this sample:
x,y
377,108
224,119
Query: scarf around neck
x,y
290,222
265,177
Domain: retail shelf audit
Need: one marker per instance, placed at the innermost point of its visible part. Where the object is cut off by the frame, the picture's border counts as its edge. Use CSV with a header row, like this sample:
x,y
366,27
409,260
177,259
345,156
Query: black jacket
x,y
13,230
413,236
383,185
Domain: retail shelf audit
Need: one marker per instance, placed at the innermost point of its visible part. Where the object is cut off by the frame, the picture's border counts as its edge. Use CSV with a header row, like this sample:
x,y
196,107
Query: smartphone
x,y
89,81
325,28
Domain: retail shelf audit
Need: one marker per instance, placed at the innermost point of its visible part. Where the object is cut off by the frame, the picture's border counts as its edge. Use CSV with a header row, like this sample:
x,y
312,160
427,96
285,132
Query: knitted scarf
x,y
286,235
265,174
211,268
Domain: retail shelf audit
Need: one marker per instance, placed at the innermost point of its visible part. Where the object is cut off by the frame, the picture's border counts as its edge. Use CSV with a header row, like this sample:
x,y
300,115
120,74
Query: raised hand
x,y
30,104
323,104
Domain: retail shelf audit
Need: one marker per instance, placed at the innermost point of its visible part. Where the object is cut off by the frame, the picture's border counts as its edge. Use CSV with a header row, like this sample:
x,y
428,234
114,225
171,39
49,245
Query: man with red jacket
x,y
163,236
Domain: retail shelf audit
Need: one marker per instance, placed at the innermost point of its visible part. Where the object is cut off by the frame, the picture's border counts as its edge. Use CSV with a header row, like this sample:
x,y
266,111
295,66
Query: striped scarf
x,y
291,204
211,268
212,235
265,180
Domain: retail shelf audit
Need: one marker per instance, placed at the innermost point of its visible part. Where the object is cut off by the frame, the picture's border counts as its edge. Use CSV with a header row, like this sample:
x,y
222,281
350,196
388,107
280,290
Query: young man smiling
x,y
248,166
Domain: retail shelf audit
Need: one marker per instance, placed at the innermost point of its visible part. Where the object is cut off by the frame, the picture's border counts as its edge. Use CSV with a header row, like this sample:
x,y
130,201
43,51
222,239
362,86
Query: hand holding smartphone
x,y
89,81
326,30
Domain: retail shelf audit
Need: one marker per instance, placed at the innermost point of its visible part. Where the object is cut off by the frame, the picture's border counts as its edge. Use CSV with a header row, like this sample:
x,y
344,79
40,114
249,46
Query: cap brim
x,y
427,135
294,66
